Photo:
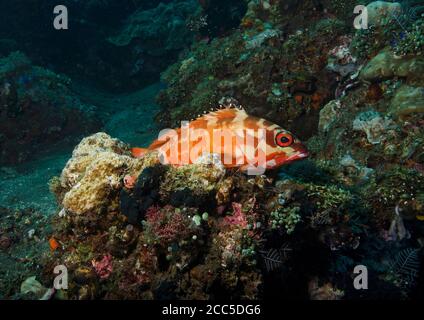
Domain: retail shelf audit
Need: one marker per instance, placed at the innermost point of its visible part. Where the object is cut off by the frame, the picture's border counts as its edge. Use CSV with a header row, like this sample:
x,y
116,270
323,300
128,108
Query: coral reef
x,y
272,74
364,122
386,65
395,25
170,237
93,173
203,230
407,100
379,11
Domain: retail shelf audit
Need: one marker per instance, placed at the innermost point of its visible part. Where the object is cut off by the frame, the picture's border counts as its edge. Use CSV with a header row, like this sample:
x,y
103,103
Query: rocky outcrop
x,y
386,65
154,37
160,29
38,110
380,11
408,100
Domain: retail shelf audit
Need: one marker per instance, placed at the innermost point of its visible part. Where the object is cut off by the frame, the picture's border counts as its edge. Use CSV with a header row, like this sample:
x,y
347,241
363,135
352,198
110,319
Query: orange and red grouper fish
x,y
240,140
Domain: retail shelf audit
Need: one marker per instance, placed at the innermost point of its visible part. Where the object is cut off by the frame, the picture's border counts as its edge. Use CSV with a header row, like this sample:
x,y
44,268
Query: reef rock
x,y
378,11
407,100
259,39
373,124
94,172
86,153
93,177
101,178
328,115
386,65
192,184
249,65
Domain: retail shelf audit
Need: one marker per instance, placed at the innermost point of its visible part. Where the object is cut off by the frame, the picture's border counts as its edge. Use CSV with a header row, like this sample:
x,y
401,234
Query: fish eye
x,y
284,139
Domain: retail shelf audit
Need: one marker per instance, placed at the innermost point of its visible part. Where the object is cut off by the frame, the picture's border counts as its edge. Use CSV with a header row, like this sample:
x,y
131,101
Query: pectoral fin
x,y
138,152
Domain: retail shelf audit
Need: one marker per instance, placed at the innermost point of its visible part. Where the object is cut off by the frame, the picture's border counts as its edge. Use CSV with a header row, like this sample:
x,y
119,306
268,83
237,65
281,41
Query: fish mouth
x,y
283,160
300,153
298,156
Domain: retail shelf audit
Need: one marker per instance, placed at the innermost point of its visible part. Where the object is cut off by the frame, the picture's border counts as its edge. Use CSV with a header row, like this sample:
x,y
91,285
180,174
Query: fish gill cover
x,y
84,188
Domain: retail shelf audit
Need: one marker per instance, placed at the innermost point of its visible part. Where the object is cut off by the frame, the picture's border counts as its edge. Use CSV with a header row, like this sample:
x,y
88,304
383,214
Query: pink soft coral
x,y
238,217
103,267
167,224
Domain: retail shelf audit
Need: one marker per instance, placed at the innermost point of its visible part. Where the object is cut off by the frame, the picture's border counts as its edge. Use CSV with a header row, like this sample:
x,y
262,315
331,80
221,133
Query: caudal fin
x,y
138,152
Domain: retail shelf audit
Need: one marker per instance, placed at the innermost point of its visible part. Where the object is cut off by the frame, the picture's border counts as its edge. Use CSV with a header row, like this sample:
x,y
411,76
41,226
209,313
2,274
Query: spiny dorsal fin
x,y
226,103
221,115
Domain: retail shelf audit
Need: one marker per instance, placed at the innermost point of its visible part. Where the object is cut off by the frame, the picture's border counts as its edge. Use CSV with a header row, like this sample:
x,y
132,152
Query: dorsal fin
x,y
225,104
222,112
219,117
